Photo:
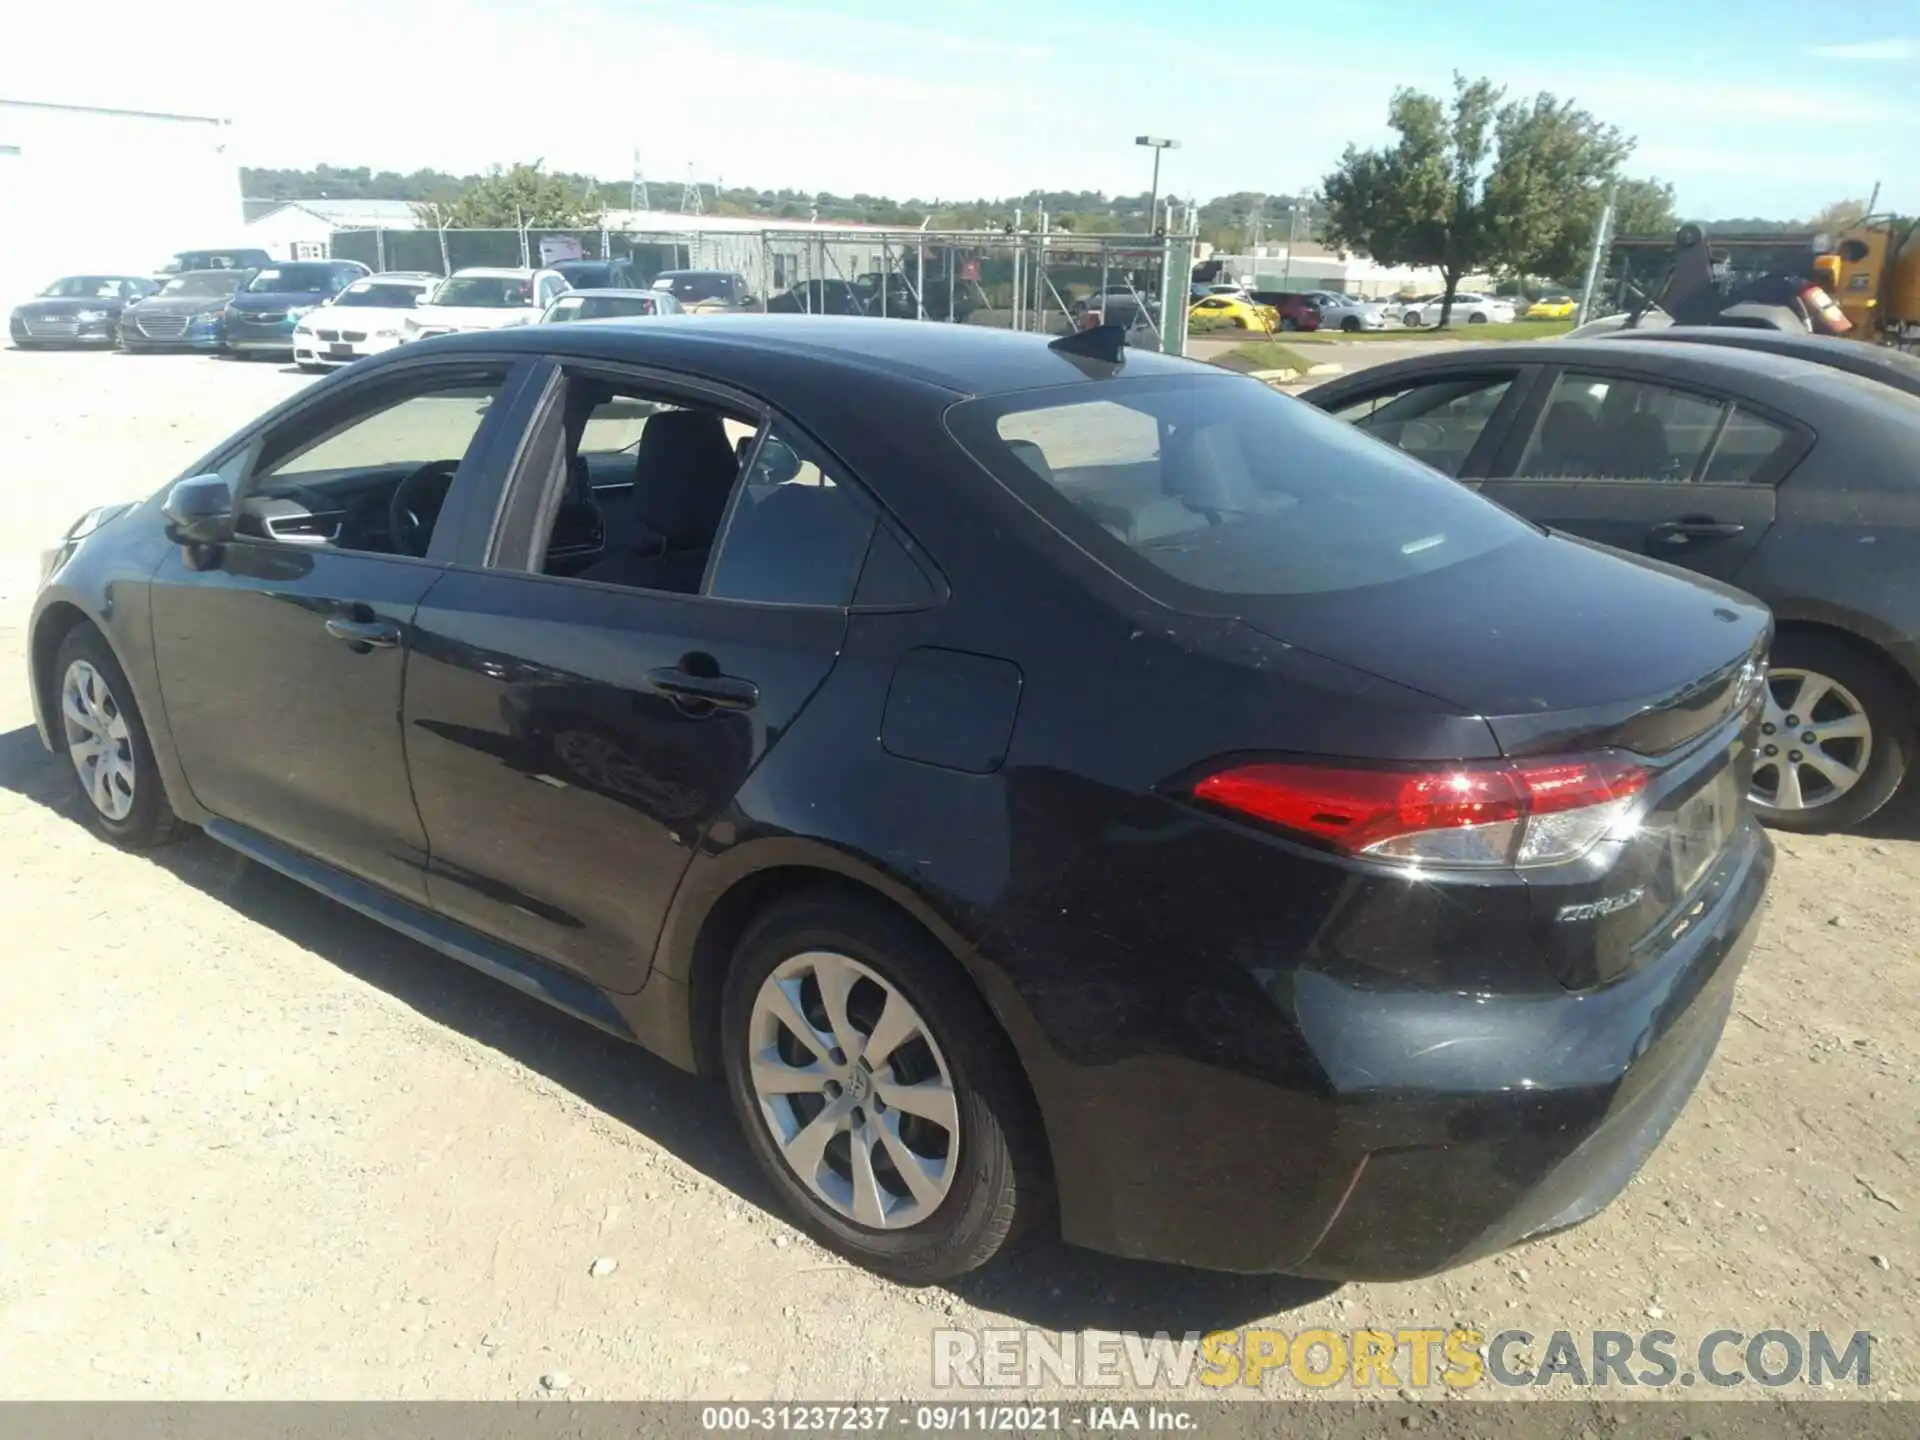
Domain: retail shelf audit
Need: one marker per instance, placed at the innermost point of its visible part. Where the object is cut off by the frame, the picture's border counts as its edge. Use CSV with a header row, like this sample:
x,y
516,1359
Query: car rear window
x,y
1225,487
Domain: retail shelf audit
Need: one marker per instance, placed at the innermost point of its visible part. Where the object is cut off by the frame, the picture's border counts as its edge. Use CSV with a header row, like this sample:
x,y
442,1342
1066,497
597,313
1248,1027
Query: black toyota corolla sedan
x,y
1784,466
1042,779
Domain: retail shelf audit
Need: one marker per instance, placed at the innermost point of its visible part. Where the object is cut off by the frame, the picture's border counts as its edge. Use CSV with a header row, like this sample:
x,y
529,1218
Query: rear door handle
x,y
371,633
1679,532
722,691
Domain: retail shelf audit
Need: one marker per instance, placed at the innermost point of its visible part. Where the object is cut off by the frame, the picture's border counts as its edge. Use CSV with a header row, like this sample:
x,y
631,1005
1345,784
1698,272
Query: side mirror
x,y
199,511
423,298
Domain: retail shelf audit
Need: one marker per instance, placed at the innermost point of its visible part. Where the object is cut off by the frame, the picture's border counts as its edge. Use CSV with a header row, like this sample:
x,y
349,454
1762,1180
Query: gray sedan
x,y
1791,478
1350,313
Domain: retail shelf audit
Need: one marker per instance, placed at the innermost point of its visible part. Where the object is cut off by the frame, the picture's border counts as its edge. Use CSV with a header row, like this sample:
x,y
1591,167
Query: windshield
x,y
693,285
385,294
583,276
205,282
291,280
88,287
604,307
1226,487
485,292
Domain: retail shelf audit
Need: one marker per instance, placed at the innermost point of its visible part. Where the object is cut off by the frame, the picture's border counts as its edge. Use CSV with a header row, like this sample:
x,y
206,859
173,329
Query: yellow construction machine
x,y
1872,271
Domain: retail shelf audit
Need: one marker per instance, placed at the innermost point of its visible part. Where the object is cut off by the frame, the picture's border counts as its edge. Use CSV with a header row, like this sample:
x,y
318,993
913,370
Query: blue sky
x,y
1763,107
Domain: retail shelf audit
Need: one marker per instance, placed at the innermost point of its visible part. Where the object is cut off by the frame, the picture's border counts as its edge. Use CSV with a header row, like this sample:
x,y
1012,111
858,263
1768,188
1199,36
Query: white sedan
x,y
484,298
1468,309
367,317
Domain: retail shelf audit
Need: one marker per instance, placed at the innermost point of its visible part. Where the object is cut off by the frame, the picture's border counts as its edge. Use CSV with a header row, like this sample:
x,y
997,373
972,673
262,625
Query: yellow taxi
x,y
1552,307
1235,310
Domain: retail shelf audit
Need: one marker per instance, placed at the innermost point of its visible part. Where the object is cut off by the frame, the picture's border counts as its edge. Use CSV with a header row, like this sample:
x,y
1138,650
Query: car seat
x,y
683,475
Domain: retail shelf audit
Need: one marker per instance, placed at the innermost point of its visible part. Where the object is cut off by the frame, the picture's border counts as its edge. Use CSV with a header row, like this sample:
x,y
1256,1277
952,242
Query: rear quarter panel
x,y
1844,549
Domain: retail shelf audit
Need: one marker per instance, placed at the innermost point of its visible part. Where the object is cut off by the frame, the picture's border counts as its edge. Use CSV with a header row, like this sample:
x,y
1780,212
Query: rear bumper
x,y
1399,1132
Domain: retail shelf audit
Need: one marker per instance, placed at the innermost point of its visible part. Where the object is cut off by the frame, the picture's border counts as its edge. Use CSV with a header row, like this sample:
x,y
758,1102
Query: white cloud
x,y
1897,48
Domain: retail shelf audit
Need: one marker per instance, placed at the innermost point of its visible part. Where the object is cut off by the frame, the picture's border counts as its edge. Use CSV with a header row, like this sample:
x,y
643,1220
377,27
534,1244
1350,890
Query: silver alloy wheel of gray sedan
x,y
1815,741
98,742
854,1090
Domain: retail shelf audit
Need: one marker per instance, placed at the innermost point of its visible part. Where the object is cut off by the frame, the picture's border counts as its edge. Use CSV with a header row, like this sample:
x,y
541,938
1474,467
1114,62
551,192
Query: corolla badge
x,y
1594,909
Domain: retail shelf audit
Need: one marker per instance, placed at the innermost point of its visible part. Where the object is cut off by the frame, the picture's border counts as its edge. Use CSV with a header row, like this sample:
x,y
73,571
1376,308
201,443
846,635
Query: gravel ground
x,y
252,1145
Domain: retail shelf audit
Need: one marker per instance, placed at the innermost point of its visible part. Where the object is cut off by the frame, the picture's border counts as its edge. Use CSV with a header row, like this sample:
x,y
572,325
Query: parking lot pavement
x,y
253,1145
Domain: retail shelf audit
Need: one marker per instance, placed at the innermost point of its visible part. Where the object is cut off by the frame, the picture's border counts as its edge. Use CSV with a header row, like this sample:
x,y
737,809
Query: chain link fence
x,y
1046,282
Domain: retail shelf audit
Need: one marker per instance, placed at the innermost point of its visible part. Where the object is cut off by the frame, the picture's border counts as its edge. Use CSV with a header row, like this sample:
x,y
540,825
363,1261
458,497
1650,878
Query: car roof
x,y
1786,383
401,275
1878,361
496,272
707,271
617,292
963,359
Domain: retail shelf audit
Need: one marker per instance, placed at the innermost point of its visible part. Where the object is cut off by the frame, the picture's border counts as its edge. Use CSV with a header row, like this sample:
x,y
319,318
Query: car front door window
x,y
372,478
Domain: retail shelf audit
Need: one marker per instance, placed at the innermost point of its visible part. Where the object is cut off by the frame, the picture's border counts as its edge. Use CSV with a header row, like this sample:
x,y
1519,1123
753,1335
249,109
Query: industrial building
x,y
171,181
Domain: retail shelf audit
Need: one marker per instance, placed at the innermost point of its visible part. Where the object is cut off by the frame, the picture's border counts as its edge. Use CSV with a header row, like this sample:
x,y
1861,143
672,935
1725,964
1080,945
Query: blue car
x,y
184,315
261,316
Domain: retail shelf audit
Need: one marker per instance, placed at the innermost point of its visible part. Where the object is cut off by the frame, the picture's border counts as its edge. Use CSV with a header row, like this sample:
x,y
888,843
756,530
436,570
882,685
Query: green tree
x,y
1644,207
520,195
1553,167
1840,215
1418,202
1473,184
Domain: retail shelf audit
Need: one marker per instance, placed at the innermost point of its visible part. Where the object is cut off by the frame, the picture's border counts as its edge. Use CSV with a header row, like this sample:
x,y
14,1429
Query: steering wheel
x,y
415,505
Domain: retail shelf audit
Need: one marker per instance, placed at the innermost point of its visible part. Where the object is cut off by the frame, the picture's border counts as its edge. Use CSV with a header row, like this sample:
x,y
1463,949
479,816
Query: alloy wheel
x,y
98,741
854,1090
1815,741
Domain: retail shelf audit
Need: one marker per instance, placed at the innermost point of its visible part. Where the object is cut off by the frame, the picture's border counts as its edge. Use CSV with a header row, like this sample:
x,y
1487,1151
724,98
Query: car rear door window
x,y
1606,427
1438,421
797,534
652,491
1746,449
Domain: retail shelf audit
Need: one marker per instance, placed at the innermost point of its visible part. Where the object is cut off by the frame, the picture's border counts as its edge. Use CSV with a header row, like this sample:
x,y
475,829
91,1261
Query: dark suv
x,y
596,274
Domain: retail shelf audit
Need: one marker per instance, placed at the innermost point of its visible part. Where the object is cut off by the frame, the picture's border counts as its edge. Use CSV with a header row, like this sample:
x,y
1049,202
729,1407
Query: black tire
x,y
150,822
1288,323
1000,1186
1889,711
1411,319
1351,324
1476,319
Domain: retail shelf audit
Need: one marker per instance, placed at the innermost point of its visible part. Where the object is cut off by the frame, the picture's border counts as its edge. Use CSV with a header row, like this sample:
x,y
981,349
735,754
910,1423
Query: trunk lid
x,y
1566,648
1558,643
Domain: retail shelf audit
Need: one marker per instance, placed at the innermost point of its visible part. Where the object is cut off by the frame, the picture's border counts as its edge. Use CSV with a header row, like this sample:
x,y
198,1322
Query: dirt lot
x,y
252,1145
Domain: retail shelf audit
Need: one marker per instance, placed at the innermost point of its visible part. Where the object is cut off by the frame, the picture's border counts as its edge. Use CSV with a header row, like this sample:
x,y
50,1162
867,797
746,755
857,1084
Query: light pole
x,y
1156,145
1293,232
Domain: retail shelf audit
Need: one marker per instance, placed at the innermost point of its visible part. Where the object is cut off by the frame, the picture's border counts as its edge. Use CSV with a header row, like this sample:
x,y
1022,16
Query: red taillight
x,y
1477,815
